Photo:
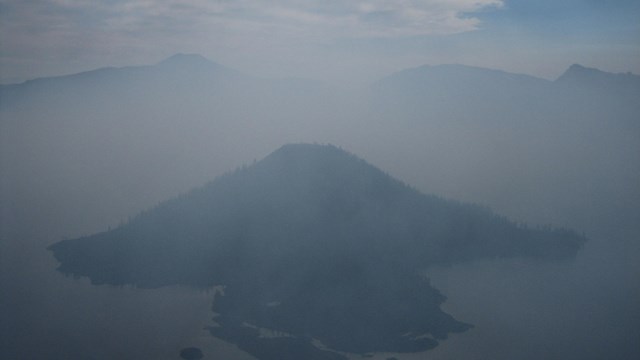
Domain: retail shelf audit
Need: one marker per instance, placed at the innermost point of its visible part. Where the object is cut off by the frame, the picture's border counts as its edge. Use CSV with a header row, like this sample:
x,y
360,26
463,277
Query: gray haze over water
x,y
81,154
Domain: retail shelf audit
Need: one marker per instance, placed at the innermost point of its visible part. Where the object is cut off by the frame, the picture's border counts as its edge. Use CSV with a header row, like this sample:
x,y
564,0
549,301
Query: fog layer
x,y
80,154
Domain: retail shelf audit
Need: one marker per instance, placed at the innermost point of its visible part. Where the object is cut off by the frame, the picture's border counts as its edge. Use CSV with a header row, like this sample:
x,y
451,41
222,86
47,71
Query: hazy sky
x,y
326,39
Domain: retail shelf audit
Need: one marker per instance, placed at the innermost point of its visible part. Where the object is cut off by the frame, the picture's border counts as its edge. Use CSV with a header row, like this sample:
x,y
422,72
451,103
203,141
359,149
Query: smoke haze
x,y
84,153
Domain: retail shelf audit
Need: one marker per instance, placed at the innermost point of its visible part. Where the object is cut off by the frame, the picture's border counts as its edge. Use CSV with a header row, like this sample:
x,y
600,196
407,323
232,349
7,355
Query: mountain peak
x,y
192,60
302,147
307,152
577,71
581,75
578,67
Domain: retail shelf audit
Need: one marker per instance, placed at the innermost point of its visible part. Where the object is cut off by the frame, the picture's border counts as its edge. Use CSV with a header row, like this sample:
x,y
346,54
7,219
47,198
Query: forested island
x,y
319,253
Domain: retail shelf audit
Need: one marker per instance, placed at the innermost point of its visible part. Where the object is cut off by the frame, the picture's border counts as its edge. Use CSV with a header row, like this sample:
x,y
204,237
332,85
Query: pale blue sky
x,y
327,40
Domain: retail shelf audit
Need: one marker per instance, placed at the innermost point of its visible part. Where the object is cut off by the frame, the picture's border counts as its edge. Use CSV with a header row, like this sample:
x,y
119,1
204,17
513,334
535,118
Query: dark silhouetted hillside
x,y
310,243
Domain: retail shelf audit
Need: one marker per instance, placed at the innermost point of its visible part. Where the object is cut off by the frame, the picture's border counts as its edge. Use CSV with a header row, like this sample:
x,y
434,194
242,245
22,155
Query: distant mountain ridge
x,y
180,64
433,86
608,84
308,242
449,86
194,62
459,71
448,75
459,93
177,77
198,63
577,72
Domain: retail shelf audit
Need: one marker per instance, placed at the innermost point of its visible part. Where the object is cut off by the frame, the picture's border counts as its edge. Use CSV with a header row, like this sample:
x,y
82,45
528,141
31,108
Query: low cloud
x,y
331,19
379,18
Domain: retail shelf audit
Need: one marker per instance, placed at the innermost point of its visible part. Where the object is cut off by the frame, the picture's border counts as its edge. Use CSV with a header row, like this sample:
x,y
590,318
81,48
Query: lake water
x,y
582,309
